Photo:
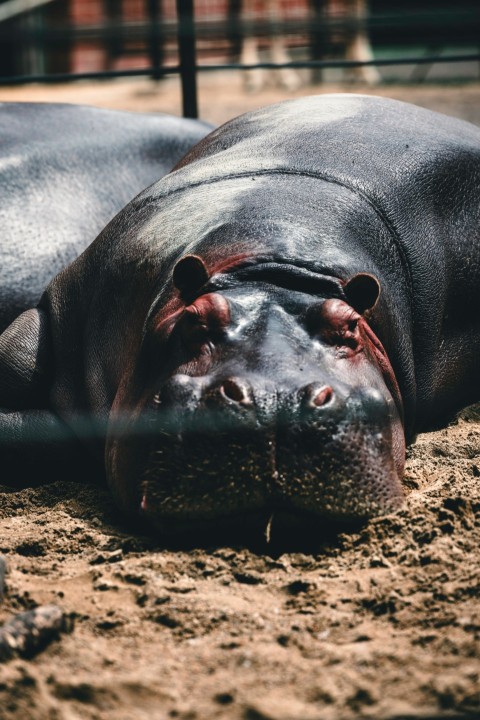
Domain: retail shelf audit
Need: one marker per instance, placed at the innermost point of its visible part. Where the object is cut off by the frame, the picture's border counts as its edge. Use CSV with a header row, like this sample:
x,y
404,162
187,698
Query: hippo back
x,y
419,169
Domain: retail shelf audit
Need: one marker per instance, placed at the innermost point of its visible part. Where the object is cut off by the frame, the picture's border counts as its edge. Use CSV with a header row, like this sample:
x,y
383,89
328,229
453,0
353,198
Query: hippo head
x,y
259,392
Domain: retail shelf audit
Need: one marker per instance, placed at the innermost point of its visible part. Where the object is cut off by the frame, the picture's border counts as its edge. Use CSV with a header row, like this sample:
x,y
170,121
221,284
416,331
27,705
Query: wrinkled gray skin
x,y
243,382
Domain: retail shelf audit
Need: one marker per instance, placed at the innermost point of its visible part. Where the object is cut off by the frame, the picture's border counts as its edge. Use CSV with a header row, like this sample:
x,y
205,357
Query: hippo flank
x,y
261,331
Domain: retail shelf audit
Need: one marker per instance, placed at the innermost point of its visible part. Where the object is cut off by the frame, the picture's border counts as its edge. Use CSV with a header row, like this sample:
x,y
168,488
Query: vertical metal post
x,y
34,53
317,35
234,33
154,38
186,51
114,44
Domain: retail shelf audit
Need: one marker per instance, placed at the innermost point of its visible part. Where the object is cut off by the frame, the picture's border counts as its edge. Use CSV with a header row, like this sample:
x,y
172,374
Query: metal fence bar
x,y
154,46
187,56
427,27
299,64
191,106
54,78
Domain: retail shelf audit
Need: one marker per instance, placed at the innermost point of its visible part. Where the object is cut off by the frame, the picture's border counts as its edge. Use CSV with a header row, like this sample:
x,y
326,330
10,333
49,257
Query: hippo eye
x,y
352,324
203,323
193,321
194,330
336,324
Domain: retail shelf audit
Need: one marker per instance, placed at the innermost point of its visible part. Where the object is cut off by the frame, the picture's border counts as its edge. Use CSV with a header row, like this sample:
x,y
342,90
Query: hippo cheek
x,y
129,437
342,459
211,458
188,453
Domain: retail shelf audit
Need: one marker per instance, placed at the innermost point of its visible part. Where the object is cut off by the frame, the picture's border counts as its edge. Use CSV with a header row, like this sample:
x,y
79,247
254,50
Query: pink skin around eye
x,y
341,323
338,324
208,315
212,310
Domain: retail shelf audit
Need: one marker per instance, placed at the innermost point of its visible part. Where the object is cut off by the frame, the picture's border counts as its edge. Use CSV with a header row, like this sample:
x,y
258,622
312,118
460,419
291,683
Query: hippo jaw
x,y
207,469
260,413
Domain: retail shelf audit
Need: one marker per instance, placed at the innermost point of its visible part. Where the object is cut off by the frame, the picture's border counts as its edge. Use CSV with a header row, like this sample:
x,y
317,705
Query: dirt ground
x,y
381,623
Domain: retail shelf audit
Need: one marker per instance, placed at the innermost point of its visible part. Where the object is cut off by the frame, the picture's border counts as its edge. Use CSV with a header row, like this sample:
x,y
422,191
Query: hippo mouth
x,y
314,473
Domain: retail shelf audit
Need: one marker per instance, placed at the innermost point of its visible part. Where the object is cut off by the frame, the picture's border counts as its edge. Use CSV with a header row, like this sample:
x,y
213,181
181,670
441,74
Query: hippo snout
x,y
241,391
229,446
184,387
249,400
214,404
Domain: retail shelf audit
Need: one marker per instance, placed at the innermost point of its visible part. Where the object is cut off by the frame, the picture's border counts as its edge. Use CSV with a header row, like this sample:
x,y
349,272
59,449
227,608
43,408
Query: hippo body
x,y
66,170
264,328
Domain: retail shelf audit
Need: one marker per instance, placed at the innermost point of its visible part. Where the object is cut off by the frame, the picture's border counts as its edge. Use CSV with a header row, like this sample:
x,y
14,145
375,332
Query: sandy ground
x,y
380,623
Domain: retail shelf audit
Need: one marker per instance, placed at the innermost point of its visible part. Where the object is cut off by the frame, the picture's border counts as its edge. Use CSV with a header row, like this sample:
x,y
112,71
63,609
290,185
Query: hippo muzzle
x,y
262,399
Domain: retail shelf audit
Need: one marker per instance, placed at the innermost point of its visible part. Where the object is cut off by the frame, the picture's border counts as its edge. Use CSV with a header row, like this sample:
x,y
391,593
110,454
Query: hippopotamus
x,y
261,332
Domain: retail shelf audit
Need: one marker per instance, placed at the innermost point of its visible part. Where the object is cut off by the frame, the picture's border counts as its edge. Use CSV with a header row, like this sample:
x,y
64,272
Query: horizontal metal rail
x,y
175,69
465,21
299,64
426,23
53,78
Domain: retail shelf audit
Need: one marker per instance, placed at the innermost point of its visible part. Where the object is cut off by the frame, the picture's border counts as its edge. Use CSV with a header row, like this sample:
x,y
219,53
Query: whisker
x,y
268,529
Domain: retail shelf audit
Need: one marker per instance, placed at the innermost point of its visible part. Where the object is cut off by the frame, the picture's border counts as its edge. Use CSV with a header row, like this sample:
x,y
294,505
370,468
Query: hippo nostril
x,y
323,396
318,396
234,390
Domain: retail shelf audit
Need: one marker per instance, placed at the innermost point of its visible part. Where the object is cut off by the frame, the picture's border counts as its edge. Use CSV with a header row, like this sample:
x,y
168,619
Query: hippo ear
x,y
362,291
189,274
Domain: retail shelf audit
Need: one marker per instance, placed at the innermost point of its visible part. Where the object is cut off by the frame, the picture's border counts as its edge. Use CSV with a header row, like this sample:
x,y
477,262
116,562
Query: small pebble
x,y
29,632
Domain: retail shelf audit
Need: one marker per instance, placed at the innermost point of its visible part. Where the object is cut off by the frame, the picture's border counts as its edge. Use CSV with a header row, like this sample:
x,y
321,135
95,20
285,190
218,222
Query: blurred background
x,y
218,58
